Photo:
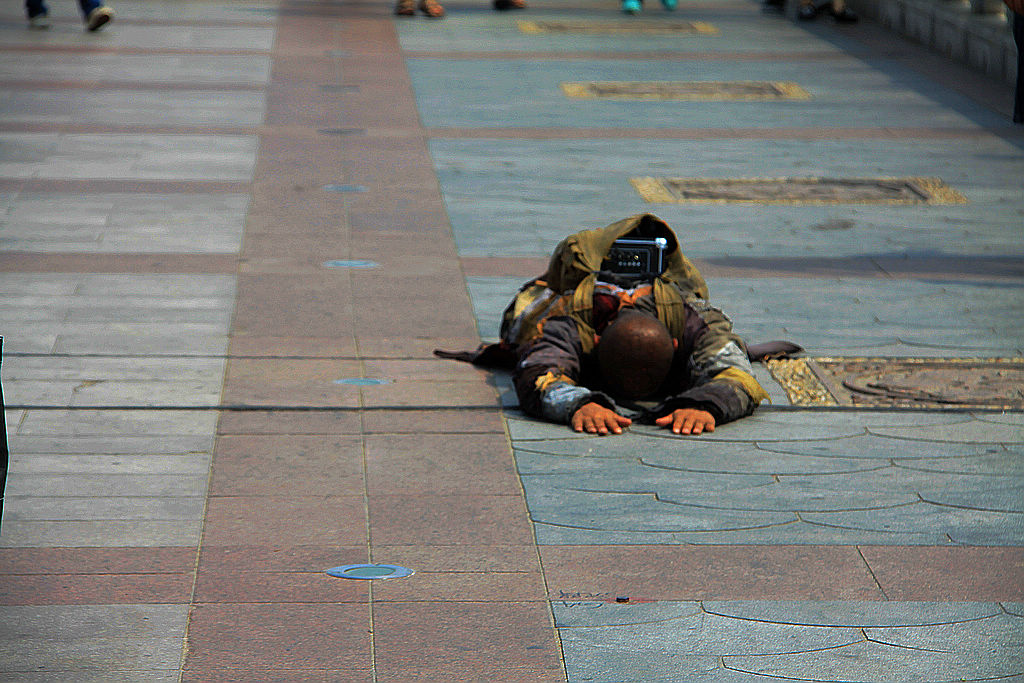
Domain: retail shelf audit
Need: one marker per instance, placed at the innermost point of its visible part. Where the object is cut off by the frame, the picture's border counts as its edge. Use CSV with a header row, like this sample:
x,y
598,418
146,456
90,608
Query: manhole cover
x,y
687,90
797,190
982,383
370,571
664,27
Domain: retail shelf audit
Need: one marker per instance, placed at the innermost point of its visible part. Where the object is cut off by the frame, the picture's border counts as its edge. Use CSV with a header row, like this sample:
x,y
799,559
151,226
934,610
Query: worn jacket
x,y
551,323
557,371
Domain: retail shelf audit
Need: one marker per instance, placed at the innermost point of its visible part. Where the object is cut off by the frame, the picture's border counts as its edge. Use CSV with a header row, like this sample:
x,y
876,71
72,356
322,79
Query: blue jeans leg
x,y
89,5
33,8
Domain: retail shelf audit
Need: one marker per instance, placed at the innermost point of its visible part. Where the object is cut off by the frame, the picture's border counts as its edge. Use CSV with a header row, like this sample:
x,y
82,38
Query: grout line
x,y
872,572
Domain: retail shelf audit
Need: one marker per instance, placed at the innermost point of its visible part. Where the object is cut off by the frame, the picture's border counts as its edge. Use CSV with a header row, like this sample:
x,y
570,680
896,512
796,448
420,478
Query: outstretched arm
x,y
546,380
722,387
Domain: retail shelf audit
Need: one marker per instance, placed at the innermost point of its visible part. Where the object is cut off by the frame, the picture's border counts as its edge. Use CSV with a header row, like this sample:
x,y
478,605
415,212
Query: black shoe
x,y
806,12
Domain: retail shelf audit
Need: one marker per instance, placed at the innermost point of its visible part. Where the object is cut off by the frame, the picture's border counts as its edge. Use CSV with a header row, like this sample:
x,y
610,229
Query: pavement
x,y
233,231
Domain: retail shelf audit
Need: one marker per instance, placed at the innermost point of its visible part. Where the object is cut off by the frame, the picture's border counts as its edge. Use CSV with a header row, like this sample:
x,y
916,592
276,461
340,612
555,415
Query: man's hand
x,y
596,419
688,421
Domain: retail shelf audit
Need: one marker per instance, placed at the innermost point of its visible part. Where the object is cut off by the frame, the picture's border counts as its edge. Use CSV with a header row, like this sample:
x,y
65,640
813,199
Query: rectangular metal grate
x,y
797,191
687,90
932,383
647,27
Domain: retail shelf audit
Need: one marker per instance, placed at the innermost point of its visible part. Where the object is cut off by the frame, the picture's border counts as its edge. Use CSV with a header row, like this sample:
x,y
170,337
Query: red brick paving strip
x,y
294,492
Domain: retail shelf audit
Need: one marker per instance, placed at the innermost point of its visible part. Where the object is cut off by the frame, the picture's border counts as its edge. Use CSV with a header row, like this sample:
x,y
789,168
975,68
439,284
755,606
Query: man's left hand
x,y
688,421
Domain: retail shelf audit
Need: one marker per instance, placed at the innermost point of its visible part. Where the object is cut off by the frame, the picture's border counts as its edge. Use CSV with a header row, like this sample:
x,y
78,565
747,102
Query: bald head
x,y
635,354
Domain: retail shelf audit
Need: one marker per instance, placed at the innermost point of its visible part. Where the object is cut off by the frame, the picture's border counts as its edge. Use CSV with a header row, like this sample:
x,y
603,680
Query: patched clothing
x,y
555,376
551,324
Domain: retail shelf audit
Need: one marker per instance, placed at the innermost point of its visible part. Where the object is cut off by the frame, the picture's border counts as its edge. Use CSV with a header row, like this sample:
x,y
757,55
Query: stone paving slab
x,y
852,93
801,640
587,488
897,533
136,108
79,156
562,179
55,640
122,223
132,69
129,34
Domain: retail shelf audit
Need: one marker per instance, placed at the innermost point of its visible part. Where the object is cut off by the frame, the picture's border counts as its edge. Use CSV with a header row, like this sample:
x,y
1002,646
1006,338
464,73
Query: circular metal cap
x,y
350,263
370,571
362,381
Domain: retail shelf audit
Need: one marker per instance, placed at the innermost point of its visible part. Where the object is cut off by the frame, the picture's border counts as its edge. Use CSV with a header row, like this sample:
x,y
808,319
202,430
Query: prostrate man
x,y
620,322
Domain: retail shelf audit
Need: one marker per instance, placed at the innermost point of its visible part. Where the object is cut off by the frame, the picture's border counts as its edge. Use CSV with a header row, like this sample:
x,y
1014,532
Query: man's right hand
x,y
596,419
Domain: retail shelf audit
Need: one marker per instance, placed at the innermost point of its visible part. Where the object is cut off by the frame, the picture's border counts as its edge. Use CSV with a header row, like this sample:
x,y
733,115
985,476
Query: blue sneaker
x,y
631,6
669,5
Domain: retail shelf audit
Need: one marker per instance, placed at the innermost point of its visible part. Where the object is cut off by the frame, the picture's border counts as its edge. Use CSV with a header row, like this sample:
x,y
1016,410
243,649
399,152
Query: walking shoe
x,y
669,5
39,22
98,18
406,8
505,5
631,6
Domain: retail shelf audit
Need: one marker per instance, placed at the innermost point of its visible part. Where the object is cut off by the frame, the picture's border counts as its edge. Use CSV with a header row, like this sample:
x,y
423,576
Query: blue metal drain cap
x,y
370,571
350,263
345,188
362,381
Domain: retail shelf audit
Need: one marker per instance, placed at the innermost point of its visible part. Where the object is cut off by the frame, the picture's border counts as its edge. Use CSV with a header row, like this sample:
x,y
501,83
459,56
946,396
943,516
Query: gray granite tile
x,y
637,512
873,446
878,662
851,614
484,182
751,459
83,368
761,640
134,107
795,532
164,339
1014,608
967,526
95,485
34,464
112,444
997,497
974,432
134,68
115,423
97,676
100,534
20,508
137,157
1008,463
91,639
